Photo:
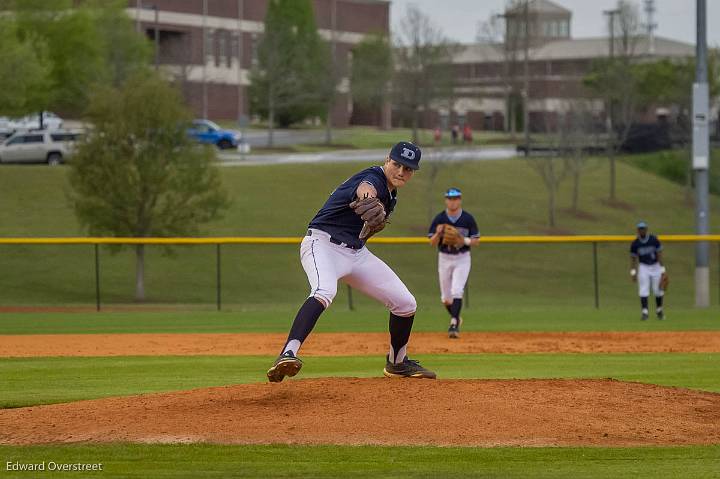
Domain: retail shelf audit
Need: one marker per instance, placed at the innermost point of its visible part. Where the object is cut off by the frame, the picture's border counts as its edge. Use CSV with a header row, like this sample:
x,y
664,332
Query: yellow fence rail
x,y
219,241
387,240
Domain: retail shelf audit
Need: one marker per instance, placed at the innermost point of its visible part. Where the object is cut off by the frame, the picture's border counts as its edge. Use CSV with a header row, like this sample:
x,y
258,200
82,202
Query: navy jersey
x,y
646,250
339,220
465,225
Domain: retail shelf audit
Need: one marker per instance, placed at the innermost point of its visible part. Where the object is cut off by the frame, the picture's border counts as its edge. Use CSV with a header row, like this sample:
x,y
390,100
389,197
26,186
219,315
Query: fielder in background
x,y
453,231
646,268
334,249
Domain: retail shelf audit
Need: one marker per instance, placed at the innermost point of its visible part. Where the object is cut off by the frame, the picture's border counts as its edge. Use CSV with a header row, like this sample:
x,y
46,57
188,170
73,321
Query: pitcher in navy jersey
x,y
332,250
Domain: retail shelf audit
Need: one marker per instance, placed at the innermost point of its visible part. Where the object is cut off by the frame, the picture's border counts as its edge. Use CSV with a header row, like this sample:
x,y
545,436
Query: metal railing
x,y
592,240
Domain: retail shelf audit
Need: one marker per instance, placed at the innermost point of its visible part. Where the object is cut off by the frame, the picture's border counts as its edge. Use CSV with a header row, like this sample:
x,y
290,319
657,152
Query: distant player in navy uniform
x,y
646,268
332,250
453,260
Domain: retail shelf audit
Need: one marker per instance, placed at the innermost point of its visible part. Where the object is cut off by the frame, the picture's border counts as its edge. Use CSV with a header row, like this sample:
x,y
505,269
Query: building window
x,y
221,50
254,42
565,28
234,49
209,47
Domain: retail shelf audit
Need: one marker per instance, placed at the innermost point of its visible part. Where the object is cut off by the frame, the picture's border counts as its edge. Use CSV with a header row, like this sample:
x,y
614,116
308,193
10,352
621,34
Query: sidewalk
x,y
375,156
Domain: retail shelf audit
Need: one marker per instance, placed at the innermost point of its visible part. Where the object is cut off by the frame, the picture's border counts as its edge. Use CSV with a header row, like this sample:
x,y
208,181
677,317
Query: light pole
x,y
333,27
240,46
526,76
609,121
157,38
701,159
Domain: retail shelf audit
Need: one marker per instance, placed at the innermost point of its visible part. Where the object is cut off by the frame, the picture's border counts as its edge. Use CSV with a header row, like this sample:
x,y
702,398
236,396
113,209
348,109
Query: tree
x,y
669,83
494,32
125,52
82,44
290,82
437,161
372,70
616,81
552,171
576,127
423,61
24,73
137,174
74,50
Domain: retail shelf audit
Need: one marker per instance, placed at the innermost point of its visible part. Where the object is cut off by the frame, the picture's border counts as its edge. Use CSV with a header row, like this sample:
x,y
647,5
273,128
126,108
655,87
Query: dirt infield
x,y
352,344
385,412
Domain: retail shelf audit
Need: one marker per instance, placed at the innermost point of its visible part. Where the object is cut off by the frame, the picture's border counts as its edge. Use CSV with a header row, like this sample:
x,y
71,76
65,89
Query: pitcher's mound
x,y
383,411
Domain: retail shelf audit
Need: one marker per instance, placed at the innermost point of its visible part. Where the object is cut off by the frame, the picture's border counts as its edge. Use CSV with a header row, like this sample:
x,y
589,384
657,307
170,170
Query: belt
x,y
456,252
336,241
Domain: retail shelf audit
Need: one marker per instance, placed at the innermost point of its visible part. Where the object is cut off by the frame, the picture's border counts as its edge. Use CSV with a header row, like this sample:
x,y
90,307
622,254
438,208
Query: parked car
x,y
32,122
6,127
46,146
207,132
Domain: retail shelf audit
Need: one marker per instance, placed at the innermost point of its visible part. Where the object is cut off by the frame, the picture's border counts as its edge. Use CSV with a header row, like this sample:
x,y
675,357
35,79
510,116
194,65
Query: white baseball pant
x,y
453,270
648,275
325,263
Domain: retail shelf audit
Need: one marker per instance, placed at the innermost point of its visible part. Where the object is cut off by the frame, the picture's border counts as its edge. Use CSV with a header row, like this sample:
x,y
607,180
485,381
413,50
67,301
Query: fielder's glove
x,y
372,212
452,237
664,281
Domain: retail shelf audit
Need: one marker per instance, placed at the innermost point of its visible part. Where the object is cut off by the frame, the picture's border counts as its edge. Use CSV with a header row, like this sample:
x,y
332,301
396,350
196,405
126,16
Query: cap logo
x,y
408,153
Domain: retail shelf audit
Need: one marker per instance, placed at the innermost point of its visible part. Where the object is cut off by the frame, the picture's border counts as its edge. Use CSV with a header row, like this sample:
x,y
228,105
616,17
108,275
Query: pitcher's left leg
x,y
372,276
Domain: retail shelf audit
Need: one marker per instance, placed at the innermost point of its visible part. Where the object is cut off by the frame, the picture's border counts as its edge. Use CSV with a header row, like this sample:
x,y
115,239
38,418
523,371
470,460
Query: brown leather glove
x,y
452,237
372,212
664,281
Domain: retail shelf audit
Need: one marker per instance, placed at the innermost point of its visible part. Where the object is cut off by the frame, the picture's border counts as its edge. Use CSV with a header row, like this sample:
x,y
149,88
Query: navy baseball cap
x,y
406,154
453,193
641,224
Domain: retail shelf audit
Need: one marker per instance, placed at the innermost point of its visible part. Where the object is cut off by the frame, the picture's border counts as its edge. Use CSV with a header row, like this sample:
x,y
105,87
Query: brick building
x,y
210,46
557,65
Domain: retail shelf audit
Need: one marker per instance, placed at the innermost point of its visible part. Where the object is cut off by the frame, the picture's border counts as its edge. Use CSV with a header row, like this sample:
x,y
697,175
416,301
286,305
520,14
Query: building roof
x,y
540,6
575,48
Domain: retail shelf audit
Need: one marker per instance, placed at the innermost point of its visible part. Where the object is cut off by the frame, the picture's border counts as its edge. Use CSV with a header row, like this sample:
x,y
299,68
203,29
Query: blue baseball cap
x,y
453,193
406,154
641,224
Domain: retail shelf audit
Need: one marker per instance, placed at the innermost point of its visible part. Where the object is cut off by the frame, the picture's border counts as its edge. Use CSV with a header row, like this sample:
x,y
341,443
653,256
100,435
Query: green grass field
x,y
33,381
512,288
506,197
143,461
339,319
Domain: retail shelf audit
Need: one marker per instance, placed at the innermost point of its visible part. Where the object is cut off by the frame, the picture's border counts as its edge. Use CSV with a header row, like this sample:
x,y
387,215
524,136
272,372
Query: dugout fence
x,y
587,259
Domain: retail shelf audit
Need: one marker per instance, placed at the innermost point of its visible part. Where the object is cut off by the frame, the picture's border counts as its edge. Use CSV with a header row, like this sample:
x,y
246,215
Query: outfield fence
x,y
218,242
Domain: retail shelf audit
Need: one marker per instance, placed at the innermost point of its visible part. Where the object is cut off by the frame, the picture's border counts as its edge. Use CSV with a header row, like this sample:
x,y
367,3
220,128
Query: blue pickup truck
x,y
207,132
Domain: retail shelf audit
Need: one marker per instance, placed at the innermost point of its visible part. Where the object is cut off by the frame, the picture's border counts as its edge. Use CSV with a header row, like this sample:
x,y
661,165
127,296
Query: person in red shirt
x,y
467,134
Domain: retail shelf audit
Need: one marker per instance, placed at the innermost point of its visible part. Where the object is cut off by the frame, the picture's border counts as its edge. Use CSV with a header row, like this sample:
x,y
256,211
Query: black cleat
x,y
661,315
644,317
407,369
453,331
285,365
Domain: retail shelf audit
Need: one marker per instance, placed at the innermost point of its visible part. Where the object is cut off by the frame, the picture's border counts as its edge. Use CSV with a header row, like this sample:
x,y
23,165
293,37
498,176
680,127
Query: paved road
x,y
429,154
284,137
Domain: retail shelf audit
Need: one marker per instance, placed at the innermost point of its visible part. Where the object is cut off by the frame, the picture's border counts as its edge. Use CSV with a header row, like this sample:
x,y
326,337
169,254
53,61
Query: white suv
x,y
51,147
